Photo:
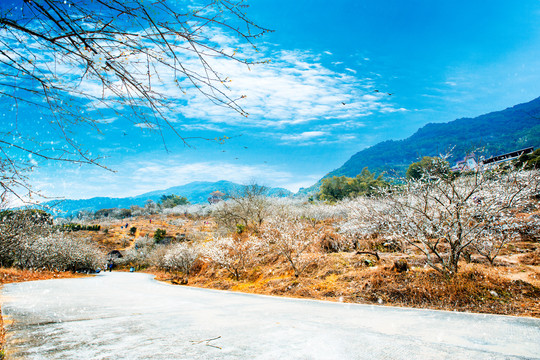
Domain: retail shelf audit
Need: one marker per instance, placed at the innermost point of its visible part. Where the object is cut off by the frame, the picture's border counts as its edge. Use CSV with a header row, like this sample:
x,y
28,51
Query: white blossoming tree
x,y
181,257
444,214
293,238
231,253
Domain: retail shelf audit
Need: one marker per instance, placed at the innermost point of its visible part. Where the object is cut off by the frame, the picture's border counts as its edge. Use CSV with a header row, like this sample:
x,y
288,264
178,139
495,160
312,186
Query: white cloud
x,y
306,135
293,89
328,53
310,138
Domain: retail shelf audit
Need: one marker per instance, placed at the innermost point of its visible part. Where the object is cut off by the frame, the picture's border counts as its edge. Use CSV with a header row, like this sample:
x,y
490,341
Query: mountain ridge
x,y
196,192
497,132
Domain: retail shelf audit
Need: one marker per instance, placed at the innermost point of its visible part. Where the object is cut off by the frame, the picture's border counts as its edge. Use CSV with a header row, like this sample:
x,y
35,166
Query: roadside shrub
x,y
58,251
293,239
180,257
231,253
140,255
18,231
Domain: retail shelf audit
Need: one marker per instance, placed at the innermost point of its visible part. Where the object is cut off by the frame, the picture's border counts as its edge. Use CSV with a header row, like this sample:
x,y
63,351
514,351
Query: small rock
x,y
401,265
494,293
380,301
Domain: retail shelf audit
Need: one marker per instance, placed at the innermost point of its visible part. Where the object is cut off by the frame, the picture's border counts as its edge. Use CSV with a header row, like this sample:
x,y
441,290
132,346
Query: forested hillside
x,y
497,132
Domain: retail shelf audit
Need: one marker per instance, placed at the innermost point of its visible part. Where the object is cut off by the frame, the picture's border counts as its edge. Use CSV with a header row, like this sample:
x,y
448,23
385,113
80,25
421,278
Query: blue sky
x,y
440,60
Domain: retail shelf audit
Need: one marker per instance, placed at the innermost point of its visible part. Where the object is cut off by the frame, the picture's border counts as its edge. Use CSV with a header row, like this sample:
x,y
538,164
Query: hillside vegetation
x,y
497,132
468,242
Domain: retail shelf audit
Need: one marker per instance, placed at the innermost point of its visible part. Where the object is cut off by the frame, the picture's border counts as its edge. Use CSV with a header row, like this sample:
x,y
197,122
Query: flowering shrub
x,y
231,253
193,210
180,257
142,254
61,252
28,243
293,238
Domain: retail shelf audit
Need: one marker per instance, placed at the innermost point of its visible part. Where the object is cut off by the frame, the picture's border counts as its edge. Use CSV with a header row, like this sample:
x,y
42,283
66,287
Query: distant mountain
x,y
196,192
497,132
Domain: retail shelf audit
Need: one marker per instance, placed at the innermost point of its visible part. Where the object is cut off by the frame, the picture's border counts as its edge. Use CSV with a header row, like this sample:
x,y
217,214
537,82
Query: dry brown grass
x,y
476,288
348,277
531,258
115,236
11,275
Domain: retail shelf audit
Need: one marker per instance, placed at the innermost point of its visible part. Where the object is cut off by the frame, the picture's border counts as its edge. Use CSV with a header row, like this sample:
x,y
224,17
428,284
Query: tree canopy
x,y
170,201
339,187
428,167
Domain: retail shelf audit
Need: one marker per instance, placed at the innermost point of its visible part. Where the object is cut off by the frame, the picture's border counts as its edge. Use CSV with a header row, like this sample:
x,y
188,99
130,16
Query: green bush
x,y
240,228
159,235
339,187
170,201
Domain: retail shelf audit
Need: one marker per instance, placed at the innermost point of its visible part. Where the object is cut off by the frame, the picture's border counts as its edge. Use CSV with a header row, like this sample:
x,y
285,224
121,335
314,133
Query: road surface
x,y
131,316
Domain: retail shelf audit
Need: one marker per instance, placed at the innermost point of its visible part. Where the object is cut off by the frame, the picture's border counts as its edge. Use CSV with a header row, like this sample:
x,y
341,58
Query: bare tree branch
x,y
51,51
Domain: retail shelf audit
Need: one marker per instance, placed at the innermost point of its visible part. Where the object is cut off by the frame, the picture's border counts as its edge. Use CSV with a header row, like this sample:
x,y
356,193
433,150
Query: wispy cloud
x,y
310,138
293,89
304,136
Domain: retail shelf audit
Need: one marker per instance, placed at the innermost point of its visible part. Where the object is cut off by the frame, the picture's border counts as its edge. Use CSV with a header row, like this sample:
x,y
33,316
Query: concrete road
x,y
131,316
